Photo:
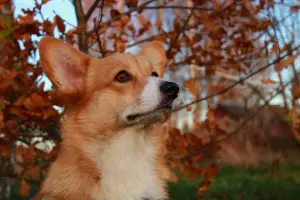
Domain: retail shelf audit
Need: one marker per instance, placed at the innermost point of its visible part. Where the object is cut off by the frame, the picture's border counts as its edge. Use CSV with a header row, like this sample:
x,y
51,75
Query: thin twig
x,y
82,33
240,81
92,9
96,29
177,7
242,125
64,20
122,14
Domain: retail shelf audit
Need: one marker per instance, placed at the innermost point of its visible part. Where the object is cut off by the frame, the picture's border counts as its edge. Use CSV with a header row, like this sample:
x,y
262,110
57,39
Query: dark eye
x,y
155,74
123,76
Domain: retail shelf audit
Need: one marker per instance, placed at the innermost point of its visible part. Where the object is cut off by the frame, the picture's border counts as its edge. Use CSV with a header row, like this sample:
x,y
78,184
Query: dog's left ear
x,y
156,55
64,65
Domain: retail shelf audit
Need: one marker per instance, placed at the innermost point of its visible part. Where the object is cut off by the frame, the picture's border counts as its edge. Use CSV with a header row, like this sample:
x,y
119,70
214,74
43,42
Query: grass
x,y
244,184
235,184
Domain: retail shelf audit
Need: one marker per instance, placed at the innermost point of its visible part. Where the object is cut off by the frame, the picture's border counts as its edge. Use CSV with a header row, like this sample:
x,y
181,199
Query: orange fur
x,y
92,135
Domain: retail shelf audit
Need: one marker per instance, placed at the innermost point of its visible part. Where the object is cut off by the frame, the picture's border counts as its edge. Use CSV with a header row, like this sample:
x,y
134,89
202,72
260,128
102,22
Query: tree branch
x,y
242,125
241,80
82,33
177,7
92,9
97,32
125,13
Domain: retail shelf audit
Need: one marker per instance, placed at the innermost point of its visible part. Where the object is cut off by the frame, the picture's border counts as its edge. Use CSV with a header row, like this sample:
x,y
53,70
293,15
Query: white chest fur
x,y
128,168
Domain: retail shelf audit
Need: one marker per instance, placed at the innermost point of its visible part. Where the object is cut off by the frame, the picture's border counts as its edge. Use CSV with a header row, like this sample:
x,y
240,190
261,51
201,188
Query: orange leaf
x,y
285,63
1,119
60,24
4,150
48,27
190,85
34,172
114,13
7,80
295,8
268,81
24,189
296,91
45,1
189,108
28,19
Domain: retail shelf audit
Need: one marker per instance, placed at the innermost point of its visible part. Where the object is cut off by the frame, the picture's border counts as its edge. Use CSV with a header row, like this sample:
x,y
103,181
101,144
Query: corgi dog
x,y
112,141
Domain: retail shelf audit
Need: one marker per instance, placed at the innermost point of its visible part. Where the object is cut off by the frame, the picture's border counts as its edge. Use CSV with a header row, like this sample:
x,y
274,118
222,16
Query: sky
x,y
65,10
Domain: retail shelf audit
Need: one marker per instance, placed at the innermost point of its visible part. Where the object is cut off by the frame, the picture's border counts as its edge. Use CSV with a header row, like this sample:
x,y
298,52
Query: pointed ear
x,y
64,65
155,53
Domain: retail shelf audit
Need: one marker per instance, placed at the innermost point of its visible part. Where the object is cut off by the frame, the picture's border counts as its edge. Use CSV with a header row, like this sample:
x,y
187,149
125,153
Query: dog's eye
x,y
155,74
123,76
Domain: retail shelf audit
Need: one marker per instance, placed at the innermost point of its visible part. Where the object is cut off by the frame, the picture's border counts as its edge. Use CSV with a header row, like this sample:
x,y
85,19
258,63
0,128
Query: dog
x,y
112,138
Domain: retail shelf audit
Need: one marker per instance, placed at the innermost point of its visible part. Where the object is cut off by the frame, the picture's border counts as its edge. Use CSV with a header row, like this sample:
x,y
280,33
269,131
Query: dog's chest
x,y
128,169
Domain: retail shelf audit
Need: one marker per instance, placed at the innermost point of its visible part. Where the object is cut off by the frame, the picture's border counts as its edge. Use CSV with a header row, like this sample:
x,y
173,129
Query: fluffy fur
x,y
107,154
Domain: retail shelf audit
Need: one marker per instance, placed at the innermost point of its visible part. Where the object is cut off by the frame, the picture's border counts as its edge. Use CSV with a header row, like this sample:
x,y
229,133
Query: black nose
x,y
170,89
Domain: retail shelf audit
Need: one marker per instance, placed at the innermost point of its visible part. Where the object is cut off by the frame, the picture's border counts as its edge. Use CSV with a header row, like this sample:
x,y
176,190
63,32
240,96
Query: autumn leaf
x,y
114,13
45,1
60,24
24,189
295,8
33,172
285,63
1,119
190,85
208,175
4,150
189,108
48,27
296,91
268,81
28,19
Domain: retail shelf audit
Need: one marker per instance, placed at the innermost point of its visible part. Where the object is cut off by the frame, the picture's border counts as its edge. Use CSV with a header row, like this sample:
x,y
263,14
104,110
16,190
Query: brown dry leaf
x,y
17,111
114,13
285,63
4,150
275,48
189,108
48,113
48,27
158,24
7,79
268,81
45,1
60,24
208,175
296,91
28,104
28,19
295,8
34,172
1,119
28,154
38,100
24,189
190,85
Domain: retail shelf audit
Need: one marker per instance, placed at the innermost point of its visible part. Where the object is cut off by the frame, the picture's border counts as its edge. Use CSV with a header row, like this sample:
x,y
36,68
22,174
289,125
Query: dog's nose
x,y
170,89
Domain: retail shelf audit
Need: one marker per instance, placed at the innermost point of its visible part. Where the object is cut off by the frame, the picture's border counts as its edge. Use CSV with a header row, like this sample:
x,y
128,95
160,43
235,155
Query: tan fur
x,y
99,159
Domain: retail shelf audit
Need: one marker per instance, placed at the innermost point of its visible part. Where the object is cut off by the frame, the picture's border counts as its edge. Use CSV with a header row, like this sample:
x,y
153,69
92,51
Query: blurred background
x,y
237,62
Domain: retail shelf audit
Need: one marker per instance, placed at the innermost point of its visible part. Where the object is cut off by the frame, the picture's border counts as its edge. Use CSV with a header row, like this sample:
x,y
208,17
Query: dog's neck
x,y
127,164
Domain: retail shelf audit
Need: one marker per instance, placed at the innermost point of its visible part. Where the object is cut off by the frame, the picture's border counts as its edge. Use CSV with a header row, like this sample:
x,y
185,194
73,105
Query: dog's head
x,y
116,91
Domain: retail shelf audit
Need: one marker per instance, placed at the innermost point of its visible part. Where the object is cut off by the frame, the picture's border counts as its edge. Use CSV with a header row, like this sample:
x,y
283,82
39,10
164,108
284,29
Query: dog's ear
x,y
64,65
156,55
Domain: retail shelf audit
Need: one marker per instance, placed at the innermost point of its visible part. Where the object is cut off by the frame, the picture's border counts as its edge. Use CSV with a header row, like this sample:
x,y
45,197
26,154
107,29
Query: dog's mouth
x,y
165,108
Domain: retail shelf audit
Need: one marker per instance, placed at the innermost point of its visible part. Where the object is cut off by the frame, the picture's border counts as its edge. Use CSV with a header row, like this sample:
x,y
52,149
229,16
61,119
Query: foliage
x,y
212,35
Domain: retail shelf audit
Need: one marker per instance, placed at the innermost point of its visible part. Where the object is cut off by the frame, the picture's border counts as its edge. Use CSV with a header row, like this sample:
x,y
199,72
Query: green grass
x,y
235,184
244,184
